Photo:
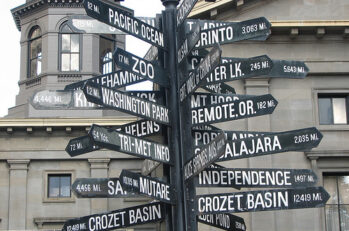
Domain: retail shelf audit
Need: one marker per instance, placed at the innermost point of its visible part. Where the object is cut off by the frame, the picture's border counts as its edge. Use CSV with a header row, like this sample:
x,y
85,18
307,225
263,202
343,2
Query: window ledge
x,y
40,221
326,154
59,200
334,127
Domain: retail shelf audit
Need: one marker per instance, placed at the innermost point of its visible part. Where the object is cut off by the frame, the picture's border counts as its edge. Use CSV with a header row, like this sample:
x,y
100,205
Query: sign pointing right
x,y
266,200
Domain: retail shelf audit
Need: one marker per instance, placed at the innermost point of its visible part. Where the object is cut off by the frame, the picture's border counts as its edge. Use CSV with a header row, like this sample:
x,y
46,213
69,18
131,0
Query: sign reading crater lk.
x,y
122,20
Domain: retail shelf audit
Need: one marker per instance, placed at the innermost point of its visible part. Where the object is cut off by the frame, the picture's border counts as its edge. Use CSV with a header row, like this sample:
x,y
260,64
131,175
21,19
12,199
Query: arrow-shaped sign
x,y
148,186
121,218
253,201
238,109
201,99
220,88
99,188
206,66
184,9
148,166
121,142
115,79
207,155
120,101
140,128
256,178
122,20
189,43
225,221
141,67
253,28
296,140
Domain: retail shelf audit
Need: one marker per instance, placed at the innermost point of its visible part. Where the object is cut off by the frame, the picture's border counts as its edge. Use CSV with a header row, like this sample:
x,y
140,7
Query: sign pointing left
x,y
122,20
121,142
121,218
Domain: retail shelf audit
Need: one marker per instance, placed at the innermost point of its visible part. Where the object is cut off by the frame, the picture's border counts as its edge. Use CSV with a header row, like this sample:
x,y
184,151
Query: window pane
x,y
74,62
339,111
53,188
38,66
325,111
65,62
344,215
65,42
332,219
74,43
330,184
65,186
33,68
343,186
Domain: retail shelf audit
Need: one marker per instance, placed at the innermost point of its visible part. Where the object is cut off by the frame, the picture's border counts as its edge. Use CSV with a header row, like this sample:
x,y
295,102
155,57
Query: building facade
x,y
36,172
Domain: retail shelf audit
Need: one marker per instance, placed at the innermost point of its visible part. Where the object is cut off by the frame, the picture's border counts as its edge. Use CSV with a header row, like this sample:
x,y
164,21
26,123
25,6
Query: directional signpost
x,y
266,200
121,218
178,62
225,221
118,141
99,188
147,186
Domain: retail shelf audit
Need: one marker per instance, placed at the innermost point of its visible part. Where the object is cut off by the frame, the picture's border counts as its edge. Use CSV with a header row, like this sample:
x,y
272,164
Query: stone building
x,y
36,172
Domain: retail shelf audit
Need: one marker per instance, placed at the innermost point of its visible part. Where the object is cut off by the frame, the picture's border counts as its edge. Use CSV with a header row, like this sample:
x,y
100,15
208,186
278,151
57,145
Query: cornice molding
x,y
62,122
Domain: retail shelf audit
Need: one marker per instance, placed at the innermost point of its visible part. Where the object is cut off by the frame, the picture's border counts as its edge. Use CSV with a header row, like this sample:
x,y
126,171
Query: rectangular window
x,y
333,109
337,207
59,185
70,52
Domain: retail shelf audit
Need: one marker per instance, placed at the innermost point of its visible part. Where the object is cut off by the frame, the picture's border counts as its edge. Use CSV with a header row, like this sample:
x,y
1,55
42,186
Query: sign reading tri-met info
x,y
122,20
121,218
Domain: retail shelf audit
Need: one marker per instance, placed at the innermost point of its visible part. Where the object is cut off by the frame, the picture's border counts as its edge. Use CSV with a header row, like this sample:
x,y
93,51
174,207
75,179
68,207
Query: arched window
x,y
35,52
69,49
107,45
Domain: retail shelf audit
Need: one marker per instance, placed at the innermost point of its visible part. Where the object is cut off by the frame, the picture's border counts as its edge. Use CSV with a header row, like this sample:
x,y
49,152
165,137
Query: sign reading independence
x,y
116,219
205,157
121,142
144,185
141,67
253,201
121,20
256,178
118,100
225,221
257,27
84,144
242,108
296,140
205,67
99,188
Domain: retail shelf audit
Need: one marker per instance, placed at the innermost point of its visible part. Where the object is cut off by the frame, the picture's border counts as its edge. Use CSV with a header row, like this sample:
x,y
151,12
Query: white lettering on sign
x,y
153,188
114,188
245,177
135,105
214,36
107,221
142,129
117,79
254,146
136,27
147,213
201,100
293,69
184,10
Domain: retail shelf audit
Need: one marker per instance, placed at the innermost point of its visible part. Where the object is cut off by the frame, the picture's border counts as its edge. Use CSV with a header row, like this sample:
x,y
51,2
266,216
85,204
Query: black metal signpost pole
x,y
170,62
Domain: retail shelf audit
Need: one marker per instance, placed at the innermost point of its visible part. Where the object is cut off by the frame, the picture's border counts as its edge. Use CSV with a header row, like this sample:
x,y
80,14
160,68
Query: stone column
x,y
18,194
260,86
99,169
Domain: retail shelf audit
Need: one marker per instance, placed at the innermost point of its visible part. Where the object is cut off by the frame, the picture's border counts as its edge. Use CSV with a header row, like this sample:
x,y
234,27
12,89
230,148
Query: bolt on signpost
x,y
193,143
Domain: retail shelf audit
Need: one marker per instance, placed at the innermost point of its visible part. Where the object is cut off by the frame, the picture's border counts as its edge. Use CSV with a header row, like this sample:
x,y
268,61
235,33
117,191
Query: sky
x,y
10,46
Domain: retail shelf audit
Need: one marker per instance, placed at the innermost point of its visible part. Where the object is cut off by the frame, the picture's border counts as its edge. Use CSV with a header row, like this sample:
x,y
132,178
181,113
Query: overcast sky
x,y
10,54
